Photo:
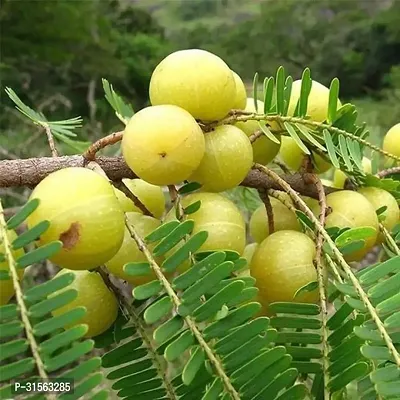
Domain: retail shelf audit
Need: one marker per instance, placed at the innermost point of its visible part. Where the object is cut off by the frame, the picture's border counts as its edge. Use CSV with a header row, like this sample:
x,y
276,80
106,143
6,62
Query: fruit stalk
x,y
268,207
112,138
50,139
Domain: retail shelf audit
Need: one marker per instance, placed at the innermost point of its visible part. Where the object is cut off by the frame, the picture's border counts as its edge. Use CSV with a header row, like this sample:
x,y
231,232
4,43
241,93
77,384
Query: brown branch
x,y
253,137
387,172
322,217
268,207
50,139
108,140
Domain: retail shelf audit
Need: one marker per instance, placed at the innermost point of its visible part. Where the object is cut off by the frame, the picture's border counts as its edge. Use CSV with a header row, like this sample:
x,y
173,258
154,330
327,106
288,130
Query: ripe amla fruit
x,y
196,80
352,210
391,142
241,95
264,149
293,156
284,219
227,159
93,294
6,286
339,177
379,198
163,145
282,264
84,214
318,100
220,218
150,195
129,251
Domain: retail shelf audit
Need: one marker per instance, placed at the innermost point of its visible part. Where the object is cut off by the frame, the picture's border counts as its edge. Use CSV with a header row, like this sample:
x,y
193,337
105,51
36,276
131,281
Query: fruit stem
x,y
21,302
112,138
338,255
268,208
189,321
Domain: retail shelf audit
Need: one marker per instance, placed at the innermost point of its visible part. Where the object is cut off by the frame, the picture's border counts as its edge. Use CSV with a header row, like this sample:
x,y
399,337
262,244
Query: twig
x,y
95,147
256,135
268,208
216,363
389,240
176,200
21,302
50,139
389,171
123,188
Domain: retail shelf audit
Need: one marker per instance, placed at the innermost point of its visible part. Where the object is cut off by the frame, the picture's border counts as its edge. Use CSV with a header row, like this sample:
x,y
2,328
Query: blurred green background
x,y
54,54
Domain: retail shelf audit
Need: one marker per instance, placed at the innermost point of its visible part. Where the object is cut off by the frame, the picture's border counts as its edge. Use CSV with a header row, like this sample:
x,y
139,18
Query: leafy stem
x,y
389,240
189,321
338,255
21,303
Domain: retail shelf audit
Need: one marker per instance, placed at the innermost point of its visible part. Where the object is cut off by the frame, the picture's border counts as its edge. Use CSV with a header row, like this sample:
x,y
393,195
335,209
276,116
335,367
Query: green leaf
x,y
122,110
17,368
351,374
306,84
11,329
295,322
388,389
353,235
192,208
352,247
333,100
8,311
344,152
386,374
255,91
280,90
213,392
306,133
39,254
288,91
84,387
168,329
114,356
30,235
355,152
137,268
309,287
43,308
295,137
379,272
13,348
304,219
284,380
268,94
331,149
296,392
147,290
386,286
193,366
18,218
178,346
158,310
268,133
189,187
162,231
294,308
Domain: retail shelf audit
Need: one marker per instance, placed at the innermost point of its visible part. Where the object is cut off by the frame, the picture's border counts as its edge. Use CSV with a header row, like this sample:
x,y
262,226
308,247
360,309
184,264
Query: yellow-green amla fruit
x,y
241,95
284,219
264,149
196,80
293,156
84,214
151,196
163,145
352,210
6,286
220,218
228,158
129,251
339,177
318,100
93,294
391,141
379,198
282,264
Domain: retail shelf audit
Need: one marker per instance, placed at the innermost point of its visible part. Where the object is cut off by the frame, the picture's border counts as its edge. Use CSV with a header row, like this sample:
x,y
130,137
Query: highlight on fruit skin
x,y
7,290
84,214
220,218
282,264
352,210
264,149
380,198
228,158
151,196
241,95
129,251
93,294
292,155
163,145
318,101
339,177
284,219
196,80
391,141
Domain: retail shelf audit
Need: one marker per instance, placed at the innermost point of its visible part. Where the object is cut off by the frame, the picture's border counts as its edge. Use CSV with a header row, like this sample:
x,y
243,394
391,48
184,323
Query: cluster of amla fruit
x,y
164,144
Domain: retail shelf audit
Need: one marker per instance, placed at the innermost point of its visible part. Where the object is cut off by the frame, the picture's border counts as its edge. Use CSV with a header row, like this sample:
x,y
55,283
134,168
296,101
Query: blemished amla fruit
x,y
93,294
284,219
282,264
339,177
163,145
220,218
6,286
352,210
150,195
228,158
196,80
293,156
318,100
241,95
379,198
264,149
129,251
391,141
84,214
